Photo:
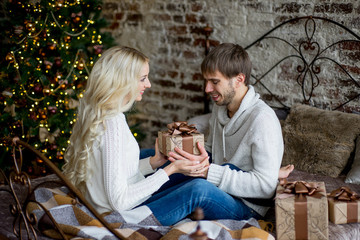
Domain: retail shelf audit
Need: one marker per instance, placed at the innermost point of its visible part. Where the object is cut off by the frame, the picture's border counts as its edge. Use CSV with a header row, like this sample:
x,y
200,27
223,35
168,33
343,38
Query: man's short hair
x,y
229,59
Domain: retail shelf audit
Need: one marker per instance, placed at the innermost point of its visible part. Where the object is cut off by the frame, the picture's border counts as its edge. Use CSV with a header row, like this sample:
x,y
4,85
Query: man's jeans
x,y
182,195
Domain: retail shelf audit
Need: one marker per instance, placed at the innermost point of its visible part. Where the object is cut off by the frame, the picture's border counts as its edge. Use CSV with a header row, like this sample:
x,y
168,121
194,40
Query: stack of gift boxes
x,y
302,208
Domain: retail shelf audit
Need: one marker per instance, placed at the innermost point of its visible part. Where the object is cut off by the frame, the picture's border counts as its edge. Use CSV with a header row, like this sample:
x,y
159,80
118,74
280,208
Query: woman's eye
x,y
142,80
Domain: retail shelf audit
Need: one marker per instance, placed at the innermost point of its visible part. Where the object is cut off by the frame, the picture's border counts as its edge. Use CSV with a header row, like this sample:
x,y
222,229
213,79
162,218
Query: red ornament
x,y
33,116
58,62
52,110
38,88
98,49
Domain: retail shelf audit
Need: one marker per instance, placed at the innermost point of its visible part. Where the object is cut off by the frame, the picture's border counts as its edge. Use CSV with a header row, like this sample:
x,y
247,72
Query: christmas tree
x,y
48,50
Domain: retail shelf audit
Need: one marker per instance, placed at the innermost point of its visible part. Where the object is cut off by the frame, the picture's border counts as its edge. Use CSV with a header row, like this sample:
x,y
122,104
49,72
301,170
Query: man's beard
x,y
228,96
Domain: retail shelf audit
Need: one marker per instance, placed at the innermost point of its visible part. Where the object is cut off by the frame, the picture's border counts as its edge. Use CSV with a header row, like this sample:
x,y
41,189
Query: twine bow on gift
x,y
181,128
344,194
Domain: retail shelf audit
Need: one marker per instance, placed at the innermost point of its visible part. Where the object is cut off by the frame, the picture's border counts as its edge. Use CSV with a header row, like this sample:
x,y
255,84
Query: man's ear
x,y
240,79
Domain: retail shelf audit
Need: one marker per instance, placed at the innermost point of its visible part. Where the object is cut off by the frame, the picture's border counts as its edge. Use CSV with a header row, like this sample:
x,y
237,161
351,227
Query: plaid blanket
x,y
77,222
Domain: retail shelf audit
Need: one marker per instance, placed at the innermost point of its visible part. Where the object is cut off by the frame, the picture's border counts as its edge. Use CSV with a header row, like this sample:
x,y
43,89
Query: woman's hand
x,y
159,159
190,164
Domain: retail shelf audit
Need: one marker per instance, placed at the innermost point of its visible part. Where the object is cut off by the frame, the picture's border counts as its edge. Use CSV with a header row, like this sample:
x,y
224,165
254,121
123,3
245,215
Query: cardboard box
x,y
180,135
301,212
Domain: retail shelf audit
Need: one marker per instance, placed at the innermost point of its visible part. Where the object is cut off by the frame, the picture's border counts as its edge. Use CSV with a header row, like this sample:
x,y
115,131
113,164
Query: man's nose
x,y
208,87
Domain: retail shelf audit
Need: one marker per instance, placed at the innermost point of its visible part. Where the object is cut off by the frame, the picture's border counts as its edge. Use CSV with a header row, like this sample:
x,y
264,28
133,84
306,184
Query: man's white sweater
x,y
252,141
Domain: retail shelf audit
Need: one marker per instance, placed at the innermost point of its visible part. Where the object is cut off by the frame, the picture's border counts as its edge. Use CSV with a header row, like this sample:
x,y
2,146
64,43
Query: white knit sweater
x,y
117,179
251,140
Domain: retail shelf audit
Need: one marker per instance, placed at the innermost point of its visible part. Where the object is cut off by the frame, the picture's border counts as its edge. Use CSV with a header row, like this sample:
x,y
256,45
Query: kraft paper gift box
x,y
181,135
301,211
344,206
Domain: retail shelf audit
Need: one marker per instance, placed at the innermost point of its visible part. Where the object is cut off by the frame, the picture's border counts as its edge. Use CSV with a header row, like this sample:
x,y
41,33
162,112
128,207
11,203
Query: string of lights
x,y
51,46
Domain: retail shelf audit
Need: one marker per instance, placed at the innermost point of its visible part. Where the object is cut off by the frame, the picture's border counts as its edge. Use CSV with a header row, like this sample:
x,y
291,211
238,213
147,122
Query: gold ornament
x,y
77,19
30,27
42,52
10,57
67,39
46,91
80,66
51,46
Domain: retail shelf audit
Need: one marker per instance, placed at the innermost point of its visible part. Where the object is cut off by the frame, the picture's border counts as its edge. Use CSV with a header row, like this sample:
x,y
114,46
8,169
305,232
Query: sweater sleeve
x,y
266,149
125,186
145,166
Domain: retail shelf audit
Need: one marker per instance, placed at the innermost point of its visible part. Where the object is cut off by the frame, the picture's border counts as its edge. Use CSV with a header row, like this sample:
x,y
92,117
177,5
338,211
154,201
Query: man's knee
x,y
200,185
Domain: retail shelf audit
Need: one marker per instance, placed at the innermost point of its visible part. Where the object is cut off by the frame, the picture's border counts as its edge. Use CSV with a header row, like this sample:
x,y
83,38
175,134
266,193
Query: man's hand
x,y
200,163
159,159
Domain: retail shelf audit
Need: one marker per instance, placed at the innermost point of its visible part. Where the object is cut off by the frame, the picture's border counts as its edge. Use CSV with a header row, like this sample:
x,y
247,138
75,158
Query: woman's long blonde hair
x,y
112,88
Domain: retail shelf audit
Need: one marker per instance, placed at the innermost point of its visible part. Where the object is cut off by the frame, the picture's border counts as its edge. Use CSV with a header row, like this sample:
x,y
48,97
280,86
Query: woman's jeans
x,y
183,195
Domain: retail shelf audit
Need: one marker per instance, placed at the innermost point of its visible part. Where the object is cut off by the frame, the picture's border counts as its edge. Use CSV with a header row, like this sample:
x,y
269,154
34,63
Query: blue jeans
x,y
180,199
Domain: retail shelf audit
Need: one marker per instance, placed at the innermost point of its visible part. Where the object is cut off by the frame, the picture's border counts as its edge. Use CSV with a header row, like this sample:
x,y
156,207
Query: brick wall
x,y
170,33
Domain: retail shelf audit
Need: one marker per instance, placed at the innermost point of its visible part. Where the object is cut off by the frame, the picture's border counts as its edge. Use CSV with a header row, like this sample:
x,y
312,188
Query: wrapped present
x,y
181,135
344,206
301,211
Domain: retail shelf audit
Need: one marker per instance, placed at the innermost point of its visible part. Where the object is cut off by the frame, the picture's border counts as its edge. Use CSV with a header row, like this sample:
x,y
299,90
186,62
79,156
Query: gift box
x,y
301,211
181,135
344,206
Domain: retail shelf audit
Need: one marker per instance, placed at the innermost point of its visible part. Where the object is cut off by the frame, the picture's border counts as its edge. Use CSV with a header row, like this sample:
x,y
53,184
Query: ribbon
x,y
345,194
181,128
79,14
45,134
301,189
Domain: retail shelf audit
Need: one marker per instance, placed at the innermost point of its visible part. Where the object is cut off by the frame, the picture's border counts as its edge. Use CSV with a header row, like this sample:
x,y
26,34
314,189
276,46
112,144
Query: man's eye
x,y
215,82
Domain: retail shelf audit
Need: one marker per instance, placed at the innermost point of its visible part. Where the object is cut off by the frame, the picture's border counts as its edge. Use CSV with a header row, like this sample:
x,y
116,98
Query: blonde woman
x,y
102,159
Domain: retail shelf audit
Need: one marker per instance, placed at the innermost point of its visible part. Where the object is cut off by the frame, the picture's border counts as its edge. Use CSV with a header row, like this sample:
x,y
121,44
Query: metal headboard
x,y
306,70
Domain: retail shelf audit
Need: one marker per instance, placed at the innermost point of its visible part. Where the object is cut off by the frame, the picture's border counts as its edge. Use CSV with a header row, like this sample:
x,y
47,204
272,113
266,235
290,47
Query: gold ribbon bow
x,y
181,128
344,194
45,134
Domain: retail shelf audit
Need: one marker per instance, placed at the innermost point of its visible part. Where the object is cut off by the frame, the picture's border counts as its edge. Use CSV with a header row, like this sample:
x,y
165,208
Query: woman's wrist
x,y
169,169
152,162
